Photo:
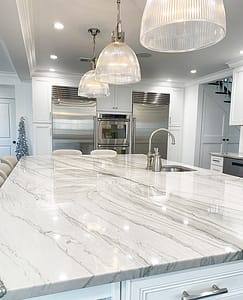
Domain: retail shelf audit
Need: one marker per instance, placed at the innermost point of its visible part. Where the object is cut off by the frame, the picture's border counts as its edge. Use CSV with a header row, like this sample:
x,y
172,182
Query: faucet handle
x,y
156,151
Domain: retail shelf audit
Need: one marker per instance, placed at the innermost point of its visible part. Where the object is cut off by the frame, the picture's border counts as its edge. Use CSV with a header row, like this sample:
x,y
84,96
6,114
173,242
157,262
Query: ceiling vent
x,y
151,98
66,93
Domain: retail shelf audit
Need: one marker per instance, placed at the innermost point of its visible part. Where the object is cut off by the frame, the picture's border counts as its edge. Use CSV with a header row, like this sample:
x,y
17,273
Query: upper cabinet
x,y
120,100
236,110
41,101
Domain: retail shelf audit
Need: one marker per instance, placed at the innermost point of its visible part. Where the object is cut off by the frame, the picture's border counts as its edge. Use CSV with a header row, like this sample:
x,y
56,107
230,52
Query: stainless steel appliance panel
x,y
147,118
113,132
73,121
233,167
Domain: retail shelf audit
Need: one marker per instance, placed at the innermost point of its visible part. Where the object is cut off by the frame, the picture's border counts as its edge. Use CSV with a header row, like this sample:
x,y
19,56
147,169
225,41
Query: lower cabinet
x,y
219,282
217,163
103,292
42,138
222,282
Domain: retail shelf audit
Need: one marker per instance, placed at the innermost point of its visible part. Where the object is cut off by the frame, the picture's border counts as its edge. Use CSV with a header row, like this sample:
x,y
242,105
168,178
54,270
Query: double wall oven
x,y
113,131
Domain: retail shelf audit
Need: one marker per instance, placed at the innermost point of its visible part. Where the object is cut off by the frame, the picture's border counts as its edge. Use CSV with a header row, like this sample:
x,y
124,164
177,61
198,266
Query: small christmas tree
x,y
22,145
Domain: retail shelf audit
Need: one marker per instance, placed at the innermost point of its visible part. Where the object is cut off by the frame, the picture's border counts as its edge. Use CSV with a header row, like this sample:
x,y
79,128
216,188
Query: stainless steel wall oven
x,y
113,131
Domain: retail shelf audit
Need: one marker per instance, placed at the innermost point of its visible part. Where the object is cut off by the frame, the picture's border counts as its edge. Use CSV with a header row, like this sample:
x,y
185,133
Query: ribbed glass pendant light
x,y
182,25
90,87
117,63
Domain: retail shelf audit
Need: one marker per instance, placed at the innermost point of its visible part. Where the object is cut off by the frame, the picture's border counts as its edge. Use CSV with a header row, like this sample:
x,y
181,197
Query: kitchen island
x,y
76,222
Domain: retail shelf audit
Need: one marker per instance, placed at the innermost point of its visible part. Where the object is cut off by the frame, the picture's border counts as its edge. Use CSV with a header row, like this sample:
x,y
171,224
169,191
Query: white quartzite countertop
x,y
228,155
73,222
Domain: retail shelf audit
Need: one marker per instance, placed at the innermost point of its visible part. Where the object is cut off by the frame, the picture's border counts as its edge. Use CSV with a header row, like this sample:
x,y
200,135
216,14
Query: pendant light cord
x,y
119,23
93,61
119,34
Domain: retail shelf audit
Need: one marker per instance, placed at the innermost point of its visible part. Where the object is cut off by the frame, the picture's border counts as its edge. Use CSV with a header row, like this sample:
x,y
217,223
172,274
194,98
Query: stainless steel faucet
x,y
150,155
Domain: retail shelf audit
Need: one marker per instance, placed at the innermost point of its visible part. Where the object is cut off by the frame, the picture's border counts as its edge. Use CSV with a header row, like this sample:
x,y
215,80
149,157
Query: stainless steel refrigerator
x,y
150,112
72,120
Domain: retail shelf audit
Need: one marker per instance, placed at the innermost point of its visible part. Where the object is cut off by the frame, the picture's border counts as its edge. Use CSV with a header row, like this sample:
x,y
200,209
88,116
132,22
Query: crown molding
x,y
236,62
162,83
9,78
61,75
26,21
211,77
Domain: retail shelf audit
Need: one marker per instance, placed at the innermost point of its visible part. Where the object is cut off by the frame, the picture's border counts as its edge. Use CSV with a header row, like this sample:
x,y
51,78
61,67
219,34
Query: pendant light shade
x,y
117,63
182,25
91,88
88,86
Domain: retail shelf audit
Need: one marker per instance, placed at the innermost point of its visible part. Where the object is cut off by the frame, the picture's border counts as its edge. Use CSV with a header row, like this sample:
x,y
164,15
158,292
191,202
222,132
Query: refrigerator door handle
x,y
133,135
95,133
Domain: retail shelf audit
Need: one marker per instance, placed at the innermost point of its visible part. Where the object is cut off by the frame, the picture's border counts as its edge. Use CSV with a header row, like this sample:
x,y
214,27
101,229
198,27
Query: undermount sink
x,y
176,168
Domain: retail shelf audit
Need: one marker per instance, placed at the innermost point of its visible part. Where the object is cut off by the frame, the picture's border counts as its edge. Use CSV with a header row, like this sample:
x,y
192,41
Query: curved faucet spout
x,y
150,143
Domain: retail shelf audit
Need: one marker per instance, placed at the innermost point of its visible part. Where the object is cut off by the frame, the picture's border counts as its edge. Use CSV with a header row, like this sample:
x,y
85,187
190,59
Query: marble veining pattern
x,y
73,222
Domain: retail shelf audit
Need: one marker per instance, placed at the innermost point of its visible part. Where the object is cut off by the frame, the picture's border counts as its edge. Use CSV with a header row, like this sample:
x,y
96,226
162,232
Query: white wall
x,y
23,101
190,124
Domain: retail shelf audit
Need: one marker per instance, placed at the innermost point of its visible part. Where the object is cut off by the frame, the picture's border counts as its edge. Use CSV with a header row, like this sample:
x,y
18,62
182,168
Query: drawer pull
x,y
214,292
3,290
237,164
216,160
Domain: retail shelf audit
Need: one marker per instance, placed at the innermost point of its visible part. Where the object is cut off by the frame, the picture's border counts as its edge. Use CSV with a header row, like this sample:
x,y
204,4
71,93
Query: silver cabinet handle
x,y
214,292
3,290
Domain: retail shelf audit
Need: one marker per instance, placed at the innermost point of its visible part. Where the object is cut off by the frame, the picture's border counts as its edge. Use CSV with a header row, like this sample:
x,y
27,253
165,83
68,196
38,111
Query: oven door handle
x,y
114,120
112,145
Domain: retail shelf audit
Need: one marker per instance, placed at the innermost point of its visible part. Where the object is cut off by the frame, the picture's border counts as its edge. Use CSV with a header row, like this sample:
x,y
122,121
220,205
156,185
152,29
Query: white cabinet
x,y
171,286
176,107
217,163
103,292
174,151
41,101
120,100
236,109
42,139
42,119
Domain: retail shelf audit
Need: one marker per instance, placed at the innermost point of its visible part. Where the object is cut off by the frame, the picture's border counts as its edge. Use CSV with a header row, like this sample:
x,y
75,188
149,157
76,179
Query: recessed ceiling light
x,y
169,80
58,26
52,70
53,56
193,71
241,52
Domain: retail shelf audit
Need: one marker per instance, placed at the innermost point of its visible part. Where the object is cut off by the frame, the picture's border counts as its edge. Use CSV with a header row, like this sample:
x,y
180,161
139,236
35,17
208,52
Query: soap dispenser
x,y
156,164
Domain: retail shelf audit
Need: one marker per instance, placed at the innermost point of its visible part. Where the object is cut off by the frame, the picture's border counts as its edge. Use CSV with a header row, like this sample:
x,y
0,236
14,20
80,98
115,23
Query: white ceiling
x,y
74,41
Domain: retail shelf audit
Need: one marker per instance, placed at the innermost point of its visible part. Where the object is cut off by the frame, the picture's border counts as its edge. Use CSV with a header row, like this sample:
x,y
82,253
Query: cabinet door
x,y
42,139
107,103
124,99
236,108
174,151
41,91
176,108
120,100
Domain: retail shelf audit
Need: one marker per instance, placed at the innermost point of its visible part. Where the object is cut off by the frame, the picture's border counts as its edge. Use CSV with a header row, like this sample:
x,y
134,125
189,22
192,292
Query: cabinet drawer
x,y
217,168
171,286
217,160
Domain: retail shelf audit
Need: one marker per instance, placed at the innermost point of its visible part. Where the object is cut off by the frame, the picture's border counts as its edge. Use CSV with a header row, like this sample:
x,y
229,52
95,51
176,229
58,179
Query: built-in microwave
x,y
113,130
